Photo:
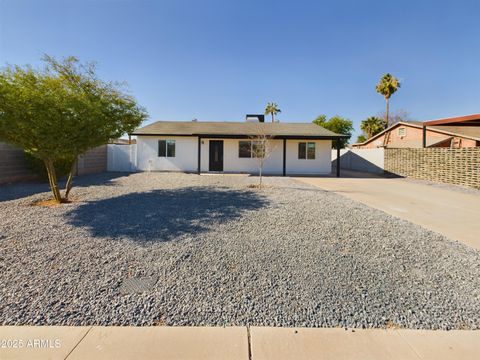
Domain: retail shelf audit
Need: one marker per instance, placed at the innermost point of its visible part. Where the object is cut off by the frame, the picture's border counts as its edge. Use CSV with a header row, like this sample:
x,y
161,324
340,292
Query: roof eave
x,y
452,120
245,136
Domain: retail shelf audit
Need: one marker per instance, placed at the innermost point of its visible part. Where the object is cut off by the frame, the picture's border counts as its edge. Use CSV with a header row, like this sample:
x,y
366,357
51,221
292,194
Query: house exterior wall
x,y
412,135
232,163
466,143
322,164
186,156
413,138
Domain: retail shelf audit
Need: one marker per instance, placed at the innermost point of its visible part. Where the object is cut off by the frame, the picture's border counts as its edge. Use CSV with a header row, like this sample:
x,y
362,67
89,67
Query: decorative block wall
x,y
13,167
452,166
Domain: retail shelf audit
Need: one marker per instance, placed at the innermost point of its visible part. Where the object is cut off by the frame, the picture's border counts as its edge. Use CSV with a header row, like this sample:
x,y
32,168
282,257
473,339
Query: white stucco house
x,y
229,147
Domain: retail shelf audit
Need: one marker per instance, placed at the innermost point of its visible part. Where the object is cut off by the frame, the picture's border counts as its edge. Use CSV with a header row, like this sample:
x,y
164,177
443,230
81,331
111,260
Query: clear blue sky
x,y
220,59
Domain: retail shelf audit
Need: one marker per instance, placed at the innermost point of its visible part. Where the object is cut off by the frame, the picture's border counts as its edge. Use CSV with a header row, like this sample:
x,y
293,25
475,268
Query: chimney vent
x,y
255,118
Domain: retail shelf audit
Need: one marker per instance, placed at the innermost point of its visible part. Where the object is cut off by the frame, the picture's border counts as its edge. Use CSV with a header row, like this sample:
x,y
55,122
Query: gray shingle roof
x,y
199,128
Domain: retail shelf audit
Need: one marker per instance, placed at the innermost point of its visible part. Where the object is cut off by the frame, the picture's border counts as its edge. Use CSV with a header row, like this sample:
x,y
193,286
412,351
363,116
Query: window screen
x,y
302,150
311,150
258,150
170,148
162,148
244,149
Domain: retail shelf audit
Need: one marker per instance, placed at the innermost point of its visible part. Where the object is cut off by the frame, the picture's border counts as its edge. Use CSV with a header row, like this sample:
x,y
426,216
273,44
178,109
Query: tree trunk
x,y
260,184
387,111
52,178
273,117
69,184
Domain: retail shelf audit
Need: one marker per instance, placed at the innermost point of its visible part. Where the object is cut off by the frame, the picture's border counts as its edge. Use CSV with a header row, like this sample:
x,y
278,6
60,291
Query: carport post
x,y
199,154
424,136
338,158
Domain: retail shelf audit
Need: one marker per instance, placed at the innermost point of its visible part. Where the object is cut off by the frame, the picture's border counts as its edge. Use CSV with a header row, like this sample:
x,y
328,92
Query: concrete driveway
x,y
453,212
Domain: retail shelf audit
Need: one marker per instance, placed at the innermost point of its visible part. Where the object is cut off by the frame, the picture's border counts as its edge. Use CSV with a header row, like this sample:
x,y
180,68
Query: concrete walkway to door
x,y
448,211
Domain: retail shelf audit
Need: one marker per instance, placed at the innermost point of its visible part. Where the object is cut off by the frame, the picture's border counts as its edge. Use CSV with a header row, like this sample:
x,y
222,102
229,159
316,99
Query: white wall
x,y
322,164
366,160
186,158
233,163
121,157
185,154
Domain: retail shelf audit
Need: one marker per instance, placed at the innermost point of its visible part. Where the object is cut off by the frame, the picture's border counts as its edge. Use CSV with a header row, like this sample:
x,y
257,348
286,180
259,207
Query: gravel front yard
x,y
224,254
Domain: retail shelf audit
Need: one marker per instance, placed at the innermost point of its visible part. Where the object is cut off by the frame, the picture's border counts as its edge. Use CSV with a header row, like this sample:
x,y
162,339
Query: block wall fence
x,y
13,167
446,165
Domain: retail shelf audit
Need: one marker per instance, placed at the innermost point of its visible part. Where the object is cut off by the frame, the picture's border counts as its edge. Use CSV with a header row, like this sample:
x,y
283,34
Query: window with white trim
x,y
306,150
166,148
402,131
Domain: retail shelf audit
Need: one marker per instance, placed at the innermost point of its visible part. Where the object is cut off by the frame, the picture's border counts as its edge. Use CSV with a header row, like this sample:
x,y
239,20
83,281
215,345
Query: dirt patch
x,y
257,186
390,324
51,202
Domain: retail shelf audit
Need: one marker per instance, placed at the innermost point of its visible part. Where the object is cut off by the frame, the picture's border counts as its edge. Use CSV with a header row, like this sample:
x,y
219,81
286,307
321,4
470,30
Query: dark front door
x,y
216,155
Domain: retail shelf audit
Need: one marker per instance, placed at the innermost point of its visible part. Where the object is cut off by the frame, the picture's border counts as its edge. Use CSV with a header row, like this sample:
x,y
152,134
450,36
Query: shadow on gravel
x,y
163,215
25,189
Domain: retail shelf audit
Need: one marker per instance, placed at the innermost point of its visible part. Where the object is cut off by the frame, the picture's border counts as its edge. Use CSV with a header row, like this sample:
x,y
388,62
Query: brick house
x,y
458,132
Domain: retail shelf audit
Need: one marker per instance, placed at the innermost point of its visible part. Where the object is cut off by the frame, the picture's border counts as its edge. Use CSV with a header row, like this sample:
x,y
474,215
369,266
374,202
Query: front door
x,y
216,155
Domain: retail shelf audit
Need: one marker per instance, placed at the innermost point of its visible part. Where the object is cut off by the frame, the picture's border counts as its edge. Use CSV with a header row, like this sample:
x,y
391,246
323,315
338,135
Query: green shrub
x,y
36,166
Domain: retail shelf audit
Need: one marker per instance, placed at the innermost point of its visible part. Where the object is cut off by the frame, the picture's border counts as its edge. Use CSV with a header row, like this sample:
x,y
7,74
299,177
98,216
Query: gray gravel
x,y
225,254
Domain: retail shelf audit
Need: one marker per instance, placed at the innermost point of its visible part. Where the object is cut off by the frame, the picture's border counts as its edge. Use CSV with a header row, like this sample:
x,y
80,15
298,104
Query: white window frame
x,y
306,150
167,141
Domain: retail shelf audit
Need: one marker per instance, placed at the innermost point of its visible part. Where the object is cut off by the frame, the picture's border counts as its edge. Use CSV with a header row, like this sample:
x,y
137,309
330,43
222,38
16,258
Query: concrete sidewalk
x,y
56,342
453,213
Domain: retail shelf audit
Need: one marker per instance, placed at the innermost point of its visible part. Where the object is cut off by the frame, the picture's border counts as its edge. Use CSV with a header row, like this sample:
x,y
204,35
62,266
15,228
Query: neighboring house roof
x,y
464,131
236,130
473,119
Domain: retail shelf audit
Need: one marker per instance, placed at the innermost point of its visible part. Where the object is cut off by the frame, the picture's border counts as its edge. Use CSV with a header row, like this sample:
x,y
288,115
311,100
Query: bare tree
x,y
262,147
395,116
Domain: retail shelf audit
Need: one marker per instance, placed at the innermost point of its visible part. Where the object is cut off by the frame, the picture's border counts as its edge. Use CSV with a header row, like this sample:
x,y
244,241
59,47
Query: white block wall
x,y
121,157
366,160
186,157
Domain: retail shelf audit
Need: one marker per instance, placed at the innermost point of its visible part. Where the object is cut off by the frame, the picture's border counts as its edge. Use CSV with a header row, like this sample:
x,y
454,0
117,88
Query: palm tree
x,y
372,126
272,108
387,86
361,138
